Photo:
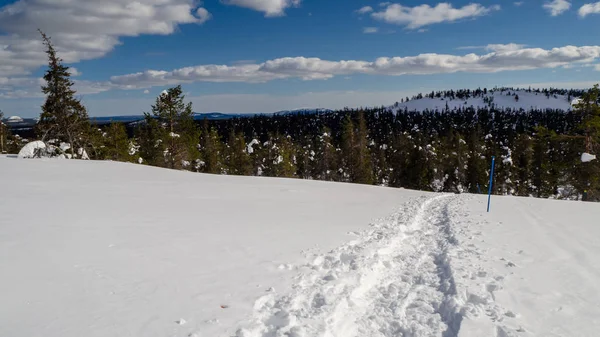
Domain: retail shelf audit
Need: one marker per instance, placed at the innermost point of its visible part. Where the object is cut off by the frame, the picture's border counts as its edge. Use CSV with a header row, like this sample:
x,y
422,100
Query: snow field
x,y
112,249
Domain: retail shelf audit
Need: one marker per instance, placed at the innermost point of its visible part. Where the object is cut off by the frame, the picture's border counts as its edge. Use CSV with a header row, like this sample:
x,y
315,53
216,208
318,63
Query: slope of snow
x,y
527,101
113,249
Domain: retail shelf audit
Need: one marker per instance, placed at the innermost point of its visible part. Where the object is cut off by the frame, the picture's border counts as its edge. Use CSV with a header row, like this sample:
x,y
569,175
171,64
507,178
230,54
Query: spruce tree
x,y
63,117
212,150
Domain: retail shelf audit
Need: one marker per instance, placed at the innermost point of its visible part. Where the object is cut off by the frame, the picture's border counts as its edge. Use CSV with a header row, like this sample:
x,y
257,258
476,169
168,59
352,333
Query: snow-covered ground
x,y
114,249
527,101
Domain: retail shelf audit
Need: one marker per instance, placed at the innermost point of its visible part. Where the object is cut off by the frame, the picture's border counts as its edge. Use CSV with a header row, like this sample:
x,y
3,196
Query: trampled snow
x,y
112,249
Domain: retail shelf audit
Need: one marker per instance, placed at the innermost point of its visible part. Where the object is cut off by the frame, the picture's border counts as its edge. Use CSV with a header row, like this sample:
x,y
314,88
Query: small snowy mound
x,y
31,149
586,157
14,119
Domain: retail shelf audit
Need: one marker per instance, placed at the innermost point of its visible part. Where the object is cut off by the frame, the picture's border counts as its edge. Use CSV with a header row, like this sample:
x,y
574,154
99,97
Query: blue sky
x,y
268,55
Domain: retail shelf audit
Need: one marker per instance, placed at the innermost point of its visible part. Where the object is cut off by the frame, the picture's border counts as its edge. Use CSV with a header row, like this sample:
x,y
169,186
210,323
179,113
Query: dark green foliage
x,y
169,137
63,117
3,134
211,151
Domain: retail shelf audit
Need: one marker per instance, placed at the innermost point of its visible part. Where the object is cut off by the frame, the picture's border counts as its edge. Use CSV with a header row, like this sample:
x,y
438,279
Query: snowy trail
x,y
394,279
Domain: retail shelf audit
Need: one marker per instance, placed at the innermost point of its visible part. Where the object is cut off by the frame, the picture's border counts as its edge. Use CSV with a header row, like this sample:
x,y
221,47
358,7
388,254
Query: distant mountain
x,y
503,98
301,111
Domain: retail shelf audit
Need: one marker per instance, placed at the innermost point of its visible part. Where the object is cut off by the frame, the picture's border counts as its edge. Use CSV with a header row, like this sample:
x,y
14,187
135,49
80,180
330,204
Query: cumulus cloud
x,y
423,15
501,58
587,9
365,10
271,8
370,30
557,7
29,87
83,29
498,57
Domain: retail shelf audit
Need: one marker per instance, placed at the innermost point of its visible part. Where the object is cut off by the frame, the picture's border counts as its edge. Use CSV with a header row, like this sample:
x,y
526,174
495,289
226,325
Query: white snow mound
x,y
586,157
29,150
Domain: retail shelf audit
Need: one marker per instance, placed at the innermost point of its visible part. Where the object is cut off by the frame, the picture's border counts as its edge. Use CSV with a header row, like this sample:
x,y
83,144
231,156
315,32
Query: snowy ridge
x,y
394,279
500,99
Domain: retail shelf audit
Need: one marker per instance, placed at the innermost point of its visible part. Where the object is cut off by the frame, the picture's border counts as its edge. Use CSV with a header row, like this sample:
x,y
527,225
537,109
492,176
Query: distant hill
x,y
503,98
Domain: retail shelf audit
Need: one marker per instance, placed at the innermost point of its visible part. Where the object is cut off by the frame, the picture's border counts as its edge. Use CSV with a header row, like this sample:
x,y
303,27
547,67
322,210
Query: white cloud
x,y
597,67
502,58
562,85
557,7
496,47
587,9
423,15
365,10
271,8
30,87
74,72
83,29
146,91
504,47
203,15
370,30
518,3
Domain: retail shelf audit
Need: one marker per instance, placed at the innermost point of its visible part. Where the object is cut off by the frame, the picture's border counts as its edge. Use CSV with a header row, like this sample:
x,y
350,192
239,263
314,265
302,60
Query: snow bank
x,y
30,149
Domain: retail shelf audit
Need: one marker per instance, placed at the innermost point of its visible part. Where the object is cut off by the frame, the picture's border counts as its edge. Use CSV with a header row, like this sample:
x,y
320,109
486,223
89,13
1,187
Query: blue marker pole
x,y
491,182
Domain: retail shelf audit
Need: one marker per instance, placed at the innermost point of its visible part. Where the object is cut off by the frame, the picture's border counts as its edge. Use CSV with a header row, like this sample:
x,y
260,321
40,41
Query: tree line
x,y
538,152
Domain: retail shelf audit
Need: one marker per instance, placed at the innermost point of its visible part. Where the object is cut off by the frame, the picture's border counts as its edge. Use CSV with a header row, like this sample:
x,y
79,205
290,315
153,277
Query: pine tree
x,y
175,128
355,150
63,117
238,159
116,143
522,165
212,150
280,157
326,161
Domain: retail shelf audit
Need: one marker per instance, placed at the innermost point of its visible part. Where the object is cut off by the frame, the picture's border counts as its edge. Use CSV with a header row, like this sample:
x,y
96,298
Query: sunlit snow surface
x,y
113,249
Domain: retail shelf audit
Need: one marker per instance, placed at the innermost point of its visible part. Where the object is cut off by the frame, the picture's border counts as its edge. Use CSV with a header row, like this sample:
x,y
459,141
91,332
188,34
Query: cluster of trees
x,y
538,152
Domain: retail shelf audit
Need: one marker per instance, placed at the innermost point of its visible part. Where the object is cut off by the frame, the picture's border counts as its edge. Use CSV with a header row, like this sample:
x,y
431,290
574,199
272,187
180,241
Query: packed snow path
x,y
394,279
